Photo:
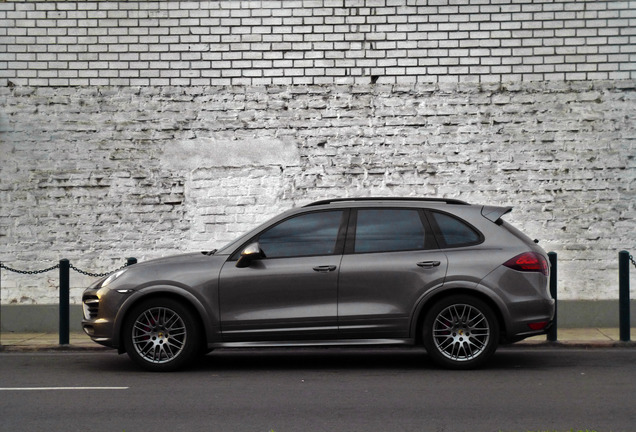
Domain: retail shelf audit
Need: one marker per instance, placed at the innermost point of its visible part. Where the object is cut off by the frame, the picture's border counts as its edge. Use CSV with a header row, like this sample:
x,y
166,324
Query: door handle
x,y
325,268
428,264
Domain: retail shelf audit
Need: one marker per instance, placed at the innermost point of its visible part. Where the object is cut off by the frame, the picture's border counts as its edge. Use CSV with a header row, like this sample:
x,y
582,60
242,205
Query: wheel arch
x,y
183,297
427,303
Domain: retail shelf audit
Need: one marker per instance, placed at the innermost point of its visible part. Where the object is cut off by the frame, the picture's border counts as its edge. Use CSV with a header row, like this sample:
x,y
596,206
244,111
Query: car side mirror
x,y
250,253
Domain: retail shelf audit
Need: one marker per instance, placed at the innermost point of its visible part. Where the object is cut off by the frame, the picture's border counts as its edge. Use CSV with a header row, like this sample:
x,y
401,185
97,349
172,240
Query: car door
x,y
390,260
290,292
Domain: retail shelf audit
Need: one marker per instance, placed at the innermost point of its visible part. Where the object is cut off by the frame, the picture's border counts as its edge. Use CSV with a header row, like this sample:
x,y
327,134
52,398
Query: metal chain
x,y
57,266
29,272
96,274
631,258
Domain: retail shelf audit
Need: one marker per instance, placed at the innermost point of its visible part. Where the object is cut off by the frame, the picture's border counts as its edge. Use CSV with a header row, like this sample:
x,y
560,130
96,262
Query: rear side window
x,y
453,232
387,230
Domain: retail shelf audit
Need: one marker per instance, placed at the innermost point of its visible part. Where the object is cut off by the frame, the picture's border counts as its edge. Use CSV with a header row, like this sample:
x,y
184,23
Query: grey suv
x,y
443,273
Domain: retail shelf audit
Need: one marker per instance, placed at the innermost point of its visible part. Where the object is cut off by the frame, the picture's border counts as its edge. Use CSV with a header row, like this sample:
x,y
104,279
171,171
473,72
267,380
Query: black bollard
x,y
623,295
64,307
552,332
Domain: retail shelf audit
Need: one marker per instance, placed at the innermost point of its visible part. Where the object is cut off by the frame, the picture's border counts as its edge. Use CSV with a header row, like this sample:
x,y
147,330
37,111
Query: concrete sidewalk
x,y
581,337
10,341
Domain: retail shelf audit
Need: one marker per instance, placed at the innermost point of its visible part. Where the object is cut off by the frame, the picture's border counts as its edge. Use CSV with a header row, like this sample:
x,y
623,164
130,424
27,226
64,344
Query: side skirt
x,y
313,343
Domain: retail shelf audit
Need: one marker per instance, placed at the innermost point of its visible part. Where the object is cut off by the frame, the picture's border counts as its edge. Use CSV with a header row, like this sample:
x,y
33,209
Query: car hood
x,y
186,258
190,269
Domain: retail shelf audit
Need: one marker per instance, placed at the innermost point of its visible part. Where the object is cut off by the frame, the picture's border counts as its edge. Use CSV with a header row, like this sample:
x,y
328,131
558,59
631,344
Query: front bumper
x,y
101,309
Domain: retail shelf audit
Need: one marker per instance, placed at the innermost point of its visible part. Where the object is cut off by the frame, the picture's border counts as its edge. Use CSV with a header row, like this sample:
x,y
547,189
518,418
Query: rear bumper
x,y
523,300
527,315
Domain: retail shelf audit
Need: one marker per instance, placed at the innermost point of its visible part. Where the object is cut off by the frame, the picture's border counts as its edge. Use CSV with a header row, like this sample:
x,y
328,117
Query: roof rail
x,y
335,200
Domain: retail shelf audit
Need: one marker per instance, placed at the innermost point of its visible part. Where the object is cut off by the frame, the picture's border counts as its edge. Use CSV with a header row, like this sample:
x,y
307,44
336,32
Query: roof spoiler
x,y
493,213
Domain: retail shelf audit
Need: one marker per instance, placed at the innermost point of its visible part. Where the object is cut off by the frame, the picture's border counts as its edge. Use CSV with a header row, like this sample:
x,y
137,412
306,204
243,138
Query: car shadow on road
x,y
314,359
325,359
349,359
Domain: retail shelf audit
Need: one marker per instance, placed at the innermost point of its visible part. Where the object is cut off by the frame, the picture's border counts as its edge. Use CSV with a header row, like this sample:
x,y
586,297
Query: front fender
x,y
207,314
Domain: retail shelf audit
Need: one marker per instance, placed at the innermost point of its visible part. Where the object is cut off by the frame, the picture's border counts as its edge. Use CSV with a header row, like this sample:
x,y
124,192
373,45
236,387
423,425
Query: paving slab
x,y
46,341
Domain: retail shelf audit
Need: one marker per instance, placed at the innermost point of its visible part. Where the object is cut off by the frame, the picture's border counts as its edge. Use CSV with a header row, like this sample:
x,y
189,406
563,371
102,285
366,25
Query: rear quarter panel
x,y
520,297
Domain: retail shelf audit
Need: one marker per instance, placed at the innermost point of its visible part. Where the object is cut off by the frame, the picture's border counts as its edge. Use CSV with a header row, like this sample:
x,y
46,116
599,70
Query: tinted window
x,y
454,232
385,230
309,234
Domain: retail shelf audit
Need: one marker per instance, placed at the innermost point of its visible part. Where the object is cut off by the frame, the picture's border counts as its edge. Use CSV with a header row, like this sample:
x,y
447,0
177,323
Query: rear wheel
x,y
460,332
161,335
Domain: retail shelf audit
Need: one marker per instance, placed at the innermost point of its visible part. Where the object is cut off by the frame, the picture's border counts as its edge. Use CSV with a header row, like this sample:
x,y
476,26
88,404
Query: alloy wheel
x,y
159,335
461,332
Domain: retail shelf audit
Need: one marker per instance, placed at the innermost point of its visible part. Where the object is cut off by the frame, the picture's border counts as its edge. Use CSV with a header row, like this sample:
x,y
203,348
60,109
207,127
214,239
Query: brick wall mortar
x,y
146,128
96,174
139,43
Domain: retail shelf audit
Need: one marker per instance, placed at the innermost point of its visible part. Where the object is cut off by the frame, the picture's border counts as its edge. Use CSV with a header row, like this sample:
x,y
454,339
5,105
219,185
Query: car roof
x,y
366,200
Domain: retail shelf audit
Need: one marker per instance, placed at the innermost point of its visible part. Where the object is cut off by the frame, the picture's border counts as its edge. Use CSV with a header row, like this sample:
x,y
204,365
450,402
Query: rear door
x,y
391,259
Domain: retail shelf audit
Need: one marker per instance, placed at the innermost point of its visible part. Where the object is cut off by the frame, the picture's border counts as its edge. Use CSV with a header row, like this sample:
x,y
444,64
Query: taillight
x,y
529,262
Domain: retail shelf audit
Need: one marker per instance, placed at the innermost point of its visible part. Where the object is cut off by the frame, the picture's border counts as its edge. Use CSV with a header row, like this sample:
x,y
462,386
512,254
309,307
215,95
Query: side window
x,y
455,232
308,234
386,230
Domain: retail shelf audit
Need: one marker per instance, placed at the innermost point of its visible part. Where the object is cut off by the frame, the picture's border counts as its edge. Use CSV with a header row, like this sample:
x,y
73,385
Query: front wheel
x,y
161,335
460,332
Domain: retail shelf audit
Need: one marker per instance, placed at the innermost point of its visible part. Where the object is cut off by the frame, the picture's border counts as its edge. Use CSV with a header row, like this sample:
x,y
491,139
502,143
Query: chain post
x,y
552,332
64,306
130,261
623,295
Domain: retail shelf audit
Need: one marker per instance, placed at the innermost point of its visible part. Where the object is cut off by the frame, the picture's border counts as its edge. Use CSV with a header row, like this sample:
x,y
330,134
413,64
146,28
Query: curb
x,y
573,344
53,348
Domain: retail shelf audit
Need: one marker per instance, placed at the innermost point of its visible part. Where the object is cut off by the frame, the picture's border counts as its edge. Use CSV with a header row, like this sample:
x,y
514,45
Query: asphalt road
x,y
523,389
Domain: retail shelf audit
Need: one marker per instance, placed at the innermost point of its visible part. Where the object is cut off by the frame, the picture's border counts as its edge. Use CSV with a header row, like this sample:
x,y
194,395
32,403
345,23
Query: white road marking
x,y
59,388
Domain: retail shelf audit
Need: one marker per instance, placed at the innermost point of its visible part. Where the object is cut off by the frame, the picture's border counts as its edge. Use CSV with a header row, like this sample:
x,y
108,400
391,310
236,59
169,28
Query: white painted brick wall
x,y
79,43
521,103
98,174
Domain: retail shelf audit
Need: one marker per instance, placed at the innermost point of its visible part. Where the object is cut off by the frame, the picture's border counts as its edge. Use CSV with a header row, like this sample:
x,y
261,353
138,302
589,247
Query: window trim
x,y
438,232
430,242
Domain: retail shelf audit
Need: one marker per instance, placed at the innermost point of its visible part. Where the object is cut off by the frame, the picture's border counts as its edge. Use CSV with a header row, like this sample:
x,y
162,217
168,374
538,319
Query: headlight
x,y
112,277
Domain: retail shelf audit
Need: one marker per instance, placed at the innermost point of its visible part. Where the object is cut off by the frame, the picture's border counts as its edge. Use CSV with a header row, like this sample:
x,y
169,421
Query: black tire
x,y
161,335
460,332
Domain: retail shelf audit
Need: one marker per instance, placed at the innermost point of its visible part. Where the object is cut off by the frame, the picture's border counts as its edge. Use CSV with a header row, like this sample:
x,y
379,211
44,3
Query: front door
x,y
291,292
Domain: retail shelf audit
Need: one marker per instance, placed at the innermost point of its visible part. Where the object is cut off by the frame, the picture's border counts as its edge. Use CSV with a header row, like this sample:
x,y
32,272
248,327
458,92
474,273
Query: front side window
x,y
387,230
454,232
304,235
